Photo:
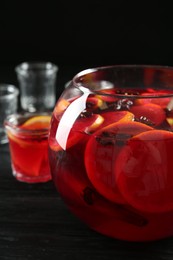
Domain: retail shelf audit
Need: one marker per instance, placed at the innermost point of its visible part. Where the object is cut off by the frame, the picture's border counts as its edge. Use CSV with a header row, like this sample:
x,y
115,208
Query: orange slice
x,y
101,154
170,121
97,122
61,107
37,122
93,102
81,127
111,117
34,123
155,99
149,113
143,171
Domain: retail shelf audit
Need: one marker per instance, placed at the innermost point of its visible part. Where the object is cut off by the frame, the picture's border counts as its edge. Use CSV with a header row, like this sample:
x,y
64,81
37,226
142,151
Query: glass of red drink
x,y
28,142
111,150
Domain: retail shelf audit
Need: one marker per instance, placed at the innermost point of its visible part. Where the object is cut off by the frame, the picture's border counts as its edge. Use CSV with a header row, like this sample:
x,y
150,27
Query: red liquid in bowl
x,y
116,171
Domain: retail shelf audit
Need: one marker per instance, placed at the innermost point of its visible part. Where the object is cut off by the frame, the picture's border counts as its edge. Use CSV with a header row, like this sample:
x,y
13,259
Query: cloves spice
x,y
111,138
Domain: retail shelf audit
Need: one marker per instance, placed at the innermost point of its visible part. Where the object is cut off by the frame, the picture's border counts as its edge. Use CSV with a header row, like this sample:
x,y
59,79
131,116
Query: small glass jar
x,y
28,141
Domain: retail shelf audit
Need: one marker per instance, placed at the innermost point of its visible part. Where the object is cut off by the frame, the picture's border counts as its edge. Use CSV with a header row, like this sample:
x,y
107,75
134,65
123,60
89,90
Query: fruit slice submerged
x,y
143,171
101,154
112,117
88,124
61,107
37,122
158,97
107,95
81,126
150,113
93,103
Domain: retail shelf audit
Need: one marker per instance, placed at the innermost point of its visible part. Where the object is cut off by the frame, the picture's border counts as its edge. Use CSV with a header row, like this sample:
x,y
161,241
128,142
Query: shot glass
x,y
28,143
8,105
37,83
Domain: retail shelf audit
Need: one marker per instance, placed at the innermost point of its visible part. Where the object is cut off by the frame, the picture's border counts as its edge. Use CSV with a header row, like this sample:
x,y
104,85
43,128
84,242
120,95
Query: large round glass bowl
x,y
111,150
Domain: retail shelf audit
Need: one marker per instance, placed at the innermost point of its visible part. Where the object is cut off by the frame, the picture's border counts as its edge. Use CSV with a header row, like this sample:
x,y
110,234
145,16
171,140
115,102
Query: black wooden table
x,y
36,224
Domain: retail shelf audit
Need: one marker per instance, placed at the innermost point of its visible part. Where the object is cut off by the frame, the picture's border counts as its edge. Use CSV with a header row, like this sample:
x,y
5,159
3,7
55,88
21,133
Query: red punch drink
x,y
111,150
28,140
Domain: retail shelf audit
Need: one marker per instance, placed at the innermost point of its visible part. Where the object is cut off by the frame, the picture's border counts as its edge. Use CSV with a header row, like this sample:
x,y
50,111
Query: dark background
x,y
75,35
81,34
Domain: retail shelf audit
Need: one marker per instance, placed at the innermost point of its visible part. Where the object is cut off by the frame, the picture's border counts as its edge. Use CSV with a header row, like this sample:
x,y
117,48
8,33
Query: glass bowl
x,y
111,150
